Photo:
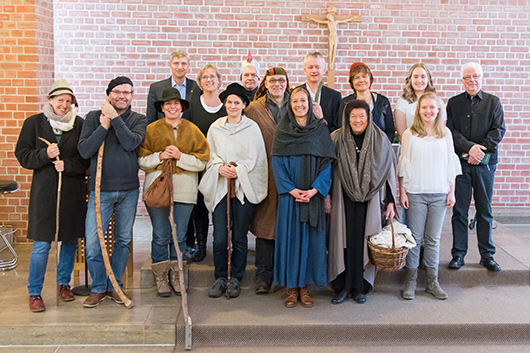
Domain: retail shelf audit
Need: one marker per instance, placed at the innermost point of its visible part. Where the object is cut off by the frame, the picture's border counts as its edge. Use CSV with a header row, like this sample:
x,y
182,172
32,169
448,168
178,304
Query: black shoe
x,y
360,298
456,262
490,264
218,288
199,255
340,297
262,287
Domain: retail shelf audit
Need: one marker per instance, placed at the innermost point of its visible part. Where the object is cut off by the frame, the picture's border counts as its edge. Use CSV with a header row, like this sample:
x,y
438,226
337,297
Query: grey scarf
x,y
59,123
362,178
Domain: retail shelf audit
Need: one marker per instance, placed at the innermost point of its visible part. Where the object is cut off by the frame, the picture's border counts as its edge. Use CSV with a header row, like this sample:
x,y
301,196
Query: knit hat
x,y
250,61
61,87
238,90
169,94
120,80
353,66
271,72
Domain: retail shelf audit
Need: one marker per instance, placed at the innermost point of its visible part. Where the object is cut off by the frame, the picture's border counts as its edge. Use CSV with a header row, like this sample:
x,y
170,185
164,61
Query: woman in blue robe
x,y
302,154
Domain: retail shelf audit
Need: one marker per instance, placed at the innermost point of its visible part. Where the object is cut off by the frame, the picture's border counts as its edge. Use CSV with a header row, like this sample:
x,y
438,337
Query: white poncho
x,y
242,144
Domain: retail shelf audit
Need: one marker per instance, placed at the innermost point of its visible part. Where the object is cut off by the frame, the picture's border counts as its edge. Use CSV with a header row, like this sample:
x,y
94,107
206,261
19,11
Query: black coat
x,y
31,154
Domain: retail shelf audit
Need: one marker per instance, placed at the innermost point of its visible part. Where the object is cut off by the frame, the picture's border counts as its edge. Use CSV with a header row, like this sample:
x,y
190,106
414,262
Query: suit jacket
x,y
155,93
330,102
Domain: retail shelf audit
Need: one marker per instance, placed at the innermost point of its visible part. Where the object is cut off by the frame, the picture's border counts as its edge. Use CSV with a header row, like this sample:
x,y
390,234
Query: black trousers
x,y
264,260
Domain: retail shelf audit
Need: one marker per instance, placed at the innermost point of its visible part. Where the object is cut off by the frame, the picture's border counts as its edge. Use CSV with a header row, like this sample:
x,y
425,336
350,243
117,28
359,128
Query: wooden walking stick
x,y
59,186
126,301
183,289
230,194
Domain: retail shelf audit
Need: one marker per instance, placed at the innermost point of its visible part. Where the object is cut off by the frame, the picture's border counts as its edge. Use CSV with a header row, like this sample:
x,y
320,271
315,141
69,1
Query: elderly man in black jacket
x,y
476,119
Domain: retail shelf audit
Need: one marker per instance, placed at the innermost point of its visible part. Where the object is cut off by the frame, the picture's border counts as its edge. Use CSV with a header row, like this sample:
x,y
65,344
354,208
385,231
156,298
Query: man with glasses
x,y
476,120
250,77
326,101
179,64
272,99
122,131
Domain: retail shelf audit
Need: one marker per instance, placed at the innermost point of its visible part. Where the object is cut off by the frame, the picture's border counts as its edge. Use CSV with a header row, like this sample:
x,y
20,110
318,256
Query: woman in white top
x,y
237,154
418,82
427,169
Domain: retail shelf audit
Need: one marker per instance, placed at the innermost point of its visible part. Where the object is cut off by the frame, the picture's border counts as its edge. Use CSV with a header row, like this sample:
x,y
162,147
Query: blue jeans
x,y
123,203
425,218
39,260
476,180
162,246
240,219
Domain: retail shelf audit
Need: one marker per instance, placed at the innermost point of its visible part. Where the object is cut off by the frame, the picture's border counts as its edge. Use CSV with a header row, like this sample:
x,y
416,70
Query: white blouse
x,y
428,165
410,108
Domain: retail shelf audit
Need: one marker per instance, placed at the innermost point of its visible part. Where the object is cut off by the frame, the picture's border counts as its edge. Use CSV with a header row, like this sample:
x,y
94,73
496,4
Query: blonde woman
x,y
418,82
427,169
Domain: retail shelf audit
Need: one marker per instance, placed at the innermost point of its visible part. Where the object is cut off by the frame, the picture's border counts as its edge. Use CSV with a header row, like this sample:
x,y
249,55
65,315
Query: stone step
x,y
488,315
515,271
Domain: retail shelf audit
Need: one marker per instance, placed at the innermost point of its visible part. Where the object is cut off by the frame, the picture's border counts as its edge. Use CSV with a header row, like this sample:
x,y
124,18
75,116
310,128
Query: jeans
x,y
476,180
123,203
425,218
39,260
162,246
240,219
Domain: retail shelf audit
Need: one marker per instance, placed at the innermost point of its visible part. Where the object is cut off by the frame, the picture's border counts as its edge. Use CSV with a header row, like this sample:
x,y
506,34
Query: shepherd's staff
x,y
59,186
126,301
183,289
231,193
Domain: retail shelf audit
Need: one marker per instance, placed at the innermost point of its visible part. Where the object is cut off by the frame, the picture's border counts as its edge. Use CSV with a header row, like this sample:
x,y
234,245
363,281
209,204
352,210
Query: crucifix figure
x,y
331,20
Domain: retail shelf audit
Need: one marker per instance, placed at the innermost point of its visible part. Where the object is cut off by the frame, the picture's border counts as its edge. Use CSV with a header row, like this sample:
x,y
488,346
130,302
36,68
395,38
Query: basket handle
x,y
393,235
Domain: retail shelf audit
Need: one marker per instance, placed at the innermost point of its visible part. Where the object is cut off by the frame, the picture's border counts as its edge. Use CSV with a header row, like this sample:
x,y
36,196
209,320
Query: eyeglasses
x,y
206,78
280,81
126,93
474,77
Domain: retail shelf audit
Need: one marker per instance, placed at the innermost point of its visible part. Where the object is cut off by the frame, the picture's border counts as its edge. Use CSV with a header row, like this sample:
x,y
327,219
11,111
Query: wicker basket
x,y
388,259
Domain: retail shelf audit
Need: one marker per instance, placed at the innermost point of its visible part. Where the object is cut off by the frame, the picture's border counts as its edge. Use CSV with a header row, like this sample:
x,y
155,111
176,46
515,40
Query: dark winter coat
x,y
31,154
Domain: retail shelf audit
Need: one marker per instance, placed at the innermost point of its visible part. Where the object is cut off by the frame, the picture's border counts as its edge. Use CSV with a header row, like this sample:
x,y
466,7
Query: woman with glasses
x,y
183,143
203,111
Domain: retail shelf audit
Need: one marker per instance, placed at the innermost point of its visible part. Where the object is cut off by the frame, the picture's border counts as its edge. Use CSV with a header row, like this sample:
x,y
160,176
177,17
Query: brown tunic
x,y
264,222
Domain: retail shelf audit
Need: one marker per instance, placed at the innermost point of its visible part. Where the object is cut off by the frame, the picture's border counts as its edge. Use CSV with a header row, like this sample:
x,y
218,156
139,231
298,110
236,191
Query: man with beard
x,y
122,131
272,100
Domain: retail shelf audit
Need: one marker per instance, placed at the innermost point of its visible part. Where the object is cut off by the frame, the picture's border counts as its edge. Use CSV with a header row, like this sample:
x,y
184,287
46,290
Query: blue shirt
x,y
181,88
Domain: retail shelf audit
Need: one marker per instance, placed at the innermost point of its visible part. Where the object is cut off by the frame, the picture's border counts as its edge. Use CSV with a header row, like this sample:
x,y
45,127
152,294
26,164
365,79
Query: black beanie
x,y
120,80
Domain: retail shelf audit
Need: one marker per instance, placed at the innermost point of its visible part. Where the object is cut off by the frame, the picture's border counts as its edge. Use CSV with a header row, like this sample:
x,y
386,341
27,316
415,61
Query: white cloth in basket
x,y
403,237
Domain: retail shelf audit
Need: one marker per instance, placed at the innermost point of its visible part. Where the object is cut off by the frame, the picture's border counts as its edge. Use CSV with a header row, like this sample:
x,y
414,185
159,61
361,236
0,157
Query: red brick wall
x,y
26,71
98,40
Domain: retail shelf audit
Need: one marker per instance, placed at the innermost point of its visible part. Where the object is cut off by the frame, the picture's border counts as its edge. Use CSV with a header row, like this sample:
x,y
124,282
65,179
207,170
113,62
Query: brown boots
x,y
294,293
161,273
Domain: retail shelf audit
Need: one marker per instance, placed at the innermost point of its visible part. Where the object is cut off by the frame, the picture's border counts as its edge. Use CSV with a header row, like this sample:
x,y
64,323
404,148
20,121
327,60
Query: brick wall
x,y
26,72
97,40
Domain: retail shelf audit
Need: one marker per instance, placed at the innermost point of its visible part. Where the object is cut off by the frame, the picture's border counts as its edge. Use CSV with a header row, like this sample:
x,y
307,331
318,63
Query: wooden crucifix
x,y
331,20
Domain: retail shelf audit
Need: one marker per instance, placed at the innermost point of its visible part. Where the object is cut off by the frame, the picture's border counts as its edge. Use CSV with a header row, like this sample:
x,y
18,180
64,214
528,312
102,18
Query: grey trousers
x,y
425,218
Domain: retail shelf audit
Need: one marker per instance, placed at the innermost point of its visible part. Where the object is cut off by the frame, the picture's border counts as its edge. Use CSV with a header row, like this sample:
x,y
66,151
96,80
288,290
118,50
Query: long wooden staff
x,y
59,186
231,190
126,301
183,289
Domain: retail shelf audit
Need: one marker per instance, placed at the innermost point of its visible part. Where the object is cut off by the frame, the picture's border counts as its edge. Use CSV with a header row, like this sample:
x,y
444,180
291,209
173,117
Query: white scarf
x,y
59,123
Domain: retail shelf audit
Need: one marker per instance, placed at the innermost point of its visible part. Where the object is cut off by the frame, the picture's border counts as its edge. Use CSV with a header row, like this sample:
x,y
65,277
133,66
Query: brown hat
x,y
61,87
169,94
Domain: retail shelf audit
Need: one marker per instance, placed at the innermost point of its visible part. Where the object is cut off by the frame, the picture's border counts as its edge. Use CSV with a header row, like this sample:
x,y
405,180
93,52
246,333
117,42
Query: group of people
x,y
309,173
